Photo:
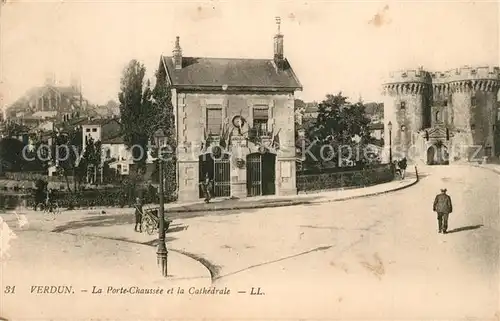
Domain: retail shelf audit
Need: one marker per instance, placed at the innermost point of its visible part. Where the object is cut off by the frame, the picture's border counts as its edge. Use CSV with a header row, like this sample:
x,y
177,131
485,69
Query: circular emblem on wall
x,y
240,163
216,151
262,149
403,128
238,121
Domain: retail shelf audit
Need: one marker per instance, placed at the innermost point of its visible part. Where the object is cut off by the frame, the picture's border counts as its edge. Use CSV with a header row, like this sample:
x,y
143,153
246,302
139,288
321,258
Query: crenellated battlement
x,y
485,78
474,73
409,76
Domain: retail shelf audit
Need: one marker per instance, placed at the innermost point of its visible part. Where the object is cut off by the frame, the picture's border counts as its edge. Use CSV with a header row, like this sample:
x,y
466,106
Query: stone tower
x,y
473,99
406,107
442,117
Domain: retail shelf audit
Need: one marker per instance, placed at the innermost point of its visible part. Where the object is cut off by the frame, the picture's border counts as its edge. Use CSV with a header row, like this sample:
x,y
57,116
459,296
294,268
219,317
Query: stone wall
x,y
191,122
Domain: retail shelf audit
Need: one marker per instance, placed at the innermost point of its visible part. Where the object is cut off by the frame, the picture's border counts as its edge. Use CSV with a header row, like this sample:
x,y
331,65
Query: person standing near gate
x,y
138,215
207,188
443,207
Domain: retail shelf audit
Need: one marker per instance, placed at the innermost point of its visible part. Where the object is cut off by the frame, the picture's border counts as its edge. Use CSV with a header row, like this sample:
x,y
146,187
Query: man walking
x,y
443,207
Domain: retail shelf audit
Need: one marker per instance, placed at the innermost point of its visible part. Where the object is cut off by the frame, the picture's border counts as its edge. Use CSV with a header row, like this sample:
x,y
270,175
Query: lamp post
x,y
162,253
389,127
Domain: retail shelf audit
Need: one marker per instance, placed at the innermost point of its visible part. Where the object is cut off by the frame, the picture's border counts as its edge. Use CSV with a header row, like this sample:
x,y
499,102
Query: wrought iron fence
x,y
360,178
33,176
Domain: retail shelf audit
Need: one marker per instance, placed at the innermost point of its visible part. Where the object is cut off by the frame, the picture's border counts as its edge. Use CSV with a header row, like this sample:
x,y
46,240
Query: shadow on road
x,y
108,220
465,228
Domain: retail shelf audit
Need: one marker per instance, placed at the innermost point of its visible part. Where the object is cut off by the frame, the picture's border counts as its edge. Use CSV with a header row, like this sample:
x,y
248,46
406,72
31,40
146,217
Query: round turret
x,y
406,95
474,97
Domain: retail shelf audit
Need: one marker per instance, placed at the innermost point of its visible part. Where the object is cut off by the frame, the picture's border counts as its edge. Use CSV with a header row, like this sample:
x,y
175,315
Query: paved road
x,y
372,258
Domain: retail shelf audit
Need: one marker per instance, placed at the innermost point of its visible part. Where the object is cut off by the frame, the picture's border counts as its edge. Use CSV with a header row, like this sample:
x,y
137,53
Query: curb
x,y
371,194
292,203
487,168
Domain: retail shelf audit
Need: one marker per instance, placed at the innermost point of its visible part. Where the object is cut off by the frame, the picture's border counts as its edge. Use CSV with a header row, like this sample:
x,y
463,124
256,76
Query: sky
x,y
332,45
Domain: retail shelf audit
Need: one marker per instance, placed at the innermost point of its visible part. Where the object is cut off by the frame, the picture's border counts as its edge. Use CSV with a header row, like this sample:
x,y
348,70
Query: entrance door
x,y
254,174
268,174
430,155
219,171
261,174
437,155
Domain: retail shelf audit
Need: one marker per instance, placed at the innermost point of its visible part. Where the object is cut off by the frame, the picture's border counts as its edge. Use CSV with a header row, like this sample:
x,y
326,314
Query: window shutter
x,y
260,113
214,120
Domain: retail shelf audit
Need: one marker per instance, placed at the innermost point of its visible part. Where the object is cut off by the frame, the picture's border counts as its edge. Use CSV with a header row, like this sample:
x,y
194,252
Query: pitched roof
x,y
376,126
98,121
44,114
233,72
113,139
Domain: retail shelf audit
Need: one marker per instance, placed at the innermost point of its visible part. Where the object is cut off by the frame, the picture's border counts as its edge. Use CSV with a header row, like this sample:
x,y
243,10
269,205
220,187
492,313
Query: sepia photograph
x,y
257,160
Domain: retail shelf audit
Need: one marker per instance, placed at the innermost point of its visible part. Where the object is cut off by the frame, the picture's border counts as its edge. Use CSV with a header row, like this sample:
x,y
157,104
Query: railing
x,y
359,178
33,176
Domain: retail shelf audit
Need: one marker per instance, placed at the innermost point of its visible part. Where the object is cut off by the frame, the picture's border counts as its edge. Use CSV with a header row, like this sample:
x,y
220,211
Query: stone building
x,y
235,123
442,117
49,101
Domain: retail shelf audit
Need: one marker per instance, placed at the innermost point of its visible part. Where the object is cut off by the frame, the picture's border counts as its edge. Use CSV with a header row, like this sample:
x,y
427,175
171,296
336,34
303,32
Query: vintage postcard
x,y
263,160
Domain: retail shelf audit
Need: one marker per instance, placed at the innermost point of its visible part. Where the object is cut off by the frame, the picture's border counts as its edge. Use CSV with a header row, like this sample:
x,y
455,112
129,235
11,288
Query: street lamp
x,y
162,253
389,127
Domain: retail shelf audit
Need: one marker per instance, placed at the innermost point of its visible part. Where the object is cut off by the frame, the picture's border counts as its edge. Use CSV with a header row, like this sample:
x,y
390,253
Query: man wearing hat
x,y
443,207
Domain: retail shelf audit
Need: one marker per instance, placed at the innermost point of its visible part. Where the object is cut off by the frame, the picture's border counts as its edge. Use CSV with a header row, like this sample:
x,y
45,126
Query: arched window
x,y
437,117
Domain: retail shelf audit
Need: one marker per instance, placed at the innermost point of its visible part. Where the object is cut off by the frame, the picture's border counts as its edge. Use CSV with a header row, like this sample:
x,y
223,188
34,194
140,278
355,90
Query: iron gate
x,y
254,174
222,177
261,174
219,172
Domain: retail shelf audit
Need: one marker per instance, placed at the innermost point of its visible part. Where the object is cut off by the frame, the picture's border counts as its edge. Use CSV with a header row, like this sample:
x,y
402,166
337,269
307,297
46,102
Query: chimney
x,y
177,54
278,47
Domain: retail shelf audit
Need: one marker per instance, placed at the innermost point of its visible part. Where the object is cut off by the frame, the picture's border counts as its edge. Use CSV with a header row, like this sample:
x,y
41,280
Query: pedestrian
x,y
402,164
443,207
138,214
207,188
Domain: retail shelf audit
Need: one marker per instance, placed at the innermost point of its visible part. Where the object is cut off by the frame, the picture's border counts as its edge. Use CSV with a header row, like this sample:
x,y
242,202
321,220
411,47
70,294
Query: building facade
x,y
235,123
442,117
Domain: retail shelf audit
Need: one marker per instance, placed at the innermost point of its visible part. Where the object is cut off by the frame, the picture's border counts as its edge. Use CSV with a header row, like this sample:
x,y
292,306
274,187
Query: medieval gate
x,y
261,174
437,154
218,170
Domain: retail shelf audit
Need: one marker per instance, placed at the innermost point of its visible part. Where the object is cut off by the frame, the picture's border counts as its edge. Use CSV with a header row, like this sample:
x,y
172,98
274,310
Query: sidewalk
x,y
300,199
492,167
228,204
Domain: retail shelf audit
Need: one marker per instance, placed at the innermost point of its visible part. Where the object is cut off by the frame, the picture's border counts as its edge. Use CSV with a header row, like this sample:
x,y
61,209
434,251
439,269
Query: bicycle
x,y
150,221
50,210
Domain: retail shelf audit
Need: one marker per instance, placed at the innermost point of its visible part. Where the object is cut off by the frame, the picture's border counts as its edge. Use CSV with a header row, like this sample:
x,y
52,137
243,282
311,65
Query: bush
x,y
333,180
123,196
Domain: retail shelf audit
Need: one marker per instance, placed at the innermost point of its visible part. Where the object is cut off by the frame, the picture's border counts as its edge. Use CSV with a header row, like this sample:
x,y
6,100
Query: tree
x,y
91,158
343,126
11,154
136,110
65,154
163,112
